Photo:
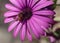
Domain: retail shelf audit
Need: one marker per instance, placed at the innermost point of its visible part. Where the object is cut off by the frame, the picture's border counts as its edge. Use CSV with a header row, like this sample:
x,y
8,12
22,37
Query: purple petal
x,y
11,7
23,32
44,19
28,1
10,13
40,2
52,39
47,3
17,29
28,26
44,12
37,27
12,26
24,2
29,36
15,2
34,30
41,23
33,2
29,30
8,20
20,1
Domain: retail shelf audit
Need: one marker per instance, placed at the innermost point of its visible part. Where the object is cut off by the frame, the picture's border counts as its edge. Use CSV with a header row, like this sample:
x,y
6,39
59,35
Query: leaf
x,y
54,5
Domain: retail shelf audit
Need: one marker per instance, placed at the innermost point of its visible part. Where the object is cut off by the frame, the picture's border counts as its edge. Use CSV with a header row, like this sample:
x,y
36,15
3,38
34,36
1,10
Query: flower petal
x,y
12,25
45,4
10,13
34,30
52,39
23,32
15,2
40,2
20,1
24,2
42,23
33,2
17,29
29,36
11,7
28,1
28,26
45,19
44,12
37,27
8,20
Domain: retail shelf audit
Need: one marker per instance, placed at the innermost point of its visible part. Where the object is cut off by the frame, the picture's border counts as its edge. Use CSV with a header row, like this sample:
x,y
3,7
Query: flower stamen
x,y
25,14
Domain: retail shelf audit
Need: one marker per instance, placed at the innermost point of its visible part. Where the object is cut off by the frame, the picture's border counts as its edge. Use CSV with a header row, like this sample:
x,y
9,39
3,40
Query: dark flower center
x,y
25,14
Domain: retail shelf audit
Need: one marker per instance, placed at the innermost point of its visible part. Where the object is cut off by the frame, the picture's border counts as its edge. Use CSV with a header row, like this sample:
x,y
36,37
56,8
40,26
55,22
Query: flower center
x,y
25,14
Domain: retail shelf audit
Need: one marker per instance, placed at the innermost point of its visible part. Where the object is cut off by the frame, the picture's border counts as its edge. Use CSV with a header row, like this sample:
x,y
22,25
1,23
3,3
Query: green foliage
x,y
58,32
54,5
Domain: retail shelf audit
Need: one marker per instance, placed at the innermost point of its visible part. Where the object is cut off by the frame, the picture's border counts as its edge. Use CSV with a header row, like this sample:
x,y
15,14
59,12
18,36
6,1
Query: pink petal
x,y
28,1
34,30
10,13
37,27
8,20
47,3
28,26
33,2
12,26
40,2
42,23
15,2
17,29
52,39
23,32
20,1
30,31
44,12
24,2
44,19
11,7
29,36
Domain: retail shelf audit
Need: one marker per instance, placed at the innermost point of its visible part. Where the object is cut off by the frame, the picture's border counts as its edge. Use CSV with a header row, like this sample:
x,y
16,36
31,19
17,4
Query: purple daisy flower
x,y
29,17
